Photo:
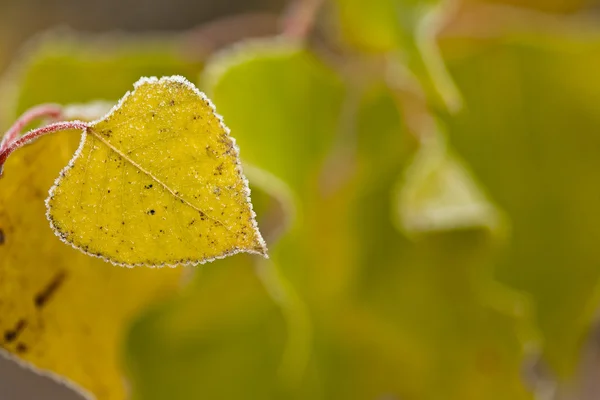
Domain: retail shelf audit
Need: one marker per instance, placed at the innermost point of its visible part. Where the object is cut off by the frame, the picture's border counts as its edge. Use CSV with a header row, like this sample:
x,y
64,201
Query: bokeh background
x,y
428,181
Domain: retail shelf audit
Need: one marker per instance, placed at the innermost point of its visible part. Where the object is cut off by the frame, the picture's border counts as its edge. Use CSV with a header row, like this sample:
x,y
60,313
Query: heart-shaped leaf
x,y
156,182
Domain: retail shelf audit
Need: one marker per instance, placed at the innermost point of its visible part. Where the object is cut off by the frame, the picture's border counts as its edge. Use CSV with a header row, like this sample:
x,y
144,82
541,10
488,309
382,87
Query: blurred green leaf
x,y
439,194
426,313
406,31
68,68
384,25
222,339
530,134
281,103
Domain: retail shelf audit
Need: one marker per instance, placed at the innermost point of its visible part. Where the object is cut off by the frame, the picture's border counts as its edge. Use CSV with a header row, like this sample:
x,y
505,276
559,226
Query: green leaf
x,y
404,30
65,69
423,318
223,338
281,102
384,24
439,193
530,134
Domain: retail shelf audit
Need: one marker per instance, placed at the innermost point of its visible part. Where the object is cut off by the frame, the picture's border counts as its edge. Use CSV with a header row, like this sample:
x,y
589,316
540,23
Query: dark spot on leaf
x,y
151,212
148,186
21,348
42,298
2,238
13,334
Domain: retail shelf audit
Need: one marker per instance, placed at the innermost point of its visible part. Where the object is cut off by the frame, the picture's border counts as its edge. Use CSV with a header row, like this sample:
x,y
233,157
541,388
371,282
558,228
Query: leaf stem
x,y
41,111
36,133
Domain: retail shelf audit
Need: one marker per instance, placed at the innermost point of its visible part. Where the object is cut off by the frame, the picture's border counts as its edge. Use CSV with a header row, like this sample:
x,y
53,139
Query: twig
x,y
41,111
36,133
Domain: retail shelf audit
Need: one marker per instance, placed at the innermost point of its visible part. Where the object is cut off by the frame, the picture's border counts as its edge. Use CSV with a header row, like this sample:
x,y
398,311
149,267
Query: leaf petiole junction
x,y
11,140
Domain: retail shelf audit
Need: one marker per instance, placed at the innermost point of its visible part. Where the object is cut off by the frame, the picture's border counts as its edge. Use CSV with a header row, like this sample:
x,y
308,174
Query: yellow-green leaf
x,y
156,182
222,338
439,193
407,30
538,157
60,310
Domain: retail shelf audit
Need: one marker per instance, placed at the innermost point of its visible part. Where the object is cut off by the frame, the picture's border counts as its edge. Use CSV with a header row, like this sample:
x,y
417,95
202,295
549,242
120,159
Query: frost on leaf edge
x,y
222,61
246,188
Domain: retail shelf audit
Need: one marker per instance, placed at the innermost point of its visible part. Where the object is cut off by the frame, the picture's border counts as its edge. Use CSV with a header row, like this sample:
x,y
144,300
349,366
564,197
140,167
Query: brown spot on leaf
x,y
21,348
12,334
42,298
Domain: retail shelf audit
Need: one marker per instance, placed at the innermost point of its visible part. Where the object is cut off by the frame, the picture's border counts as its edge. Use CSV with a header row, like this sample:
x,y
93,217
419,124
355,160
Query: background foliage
x,y
424,172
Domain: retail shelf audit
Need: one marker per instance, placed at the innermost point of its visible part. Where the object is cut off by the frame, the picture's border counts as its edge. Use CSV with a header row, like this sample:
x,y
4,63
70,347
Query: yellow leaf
x,y
60,310
156,182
